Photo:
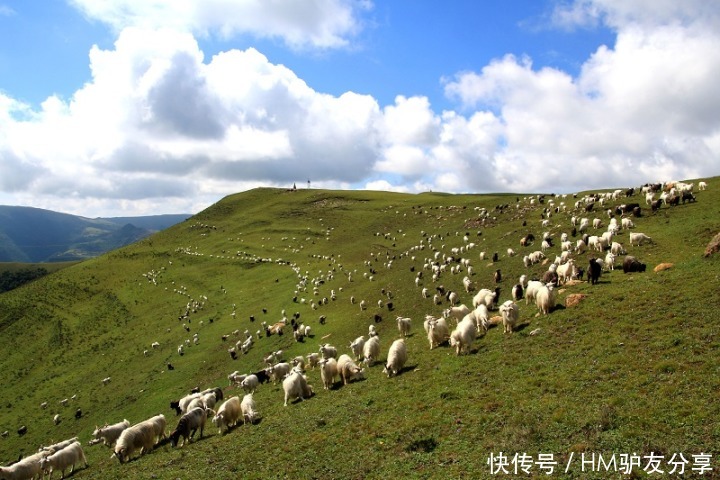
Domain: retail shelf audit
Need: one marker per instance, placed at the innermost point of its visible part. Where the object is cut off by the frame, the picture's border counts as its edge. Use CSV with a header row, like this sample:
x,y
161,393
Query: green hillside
x,y
632,369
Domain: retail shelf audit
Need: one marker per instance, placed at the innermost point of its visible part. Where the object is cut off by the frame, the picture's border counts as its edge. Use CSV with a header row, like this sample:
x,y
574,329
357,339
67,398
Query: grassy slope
x,y
632,369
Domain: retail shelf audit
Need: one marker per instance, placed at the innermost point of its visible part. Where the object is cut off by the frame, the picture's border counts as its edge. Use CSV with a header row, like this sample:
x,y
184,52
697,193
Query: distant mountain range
x,y
35,235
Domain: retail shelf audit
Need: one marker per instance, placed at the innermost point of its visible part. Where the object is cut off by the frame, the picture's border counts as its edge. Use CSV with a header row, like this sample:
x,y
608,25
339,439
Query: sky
x,y
136,107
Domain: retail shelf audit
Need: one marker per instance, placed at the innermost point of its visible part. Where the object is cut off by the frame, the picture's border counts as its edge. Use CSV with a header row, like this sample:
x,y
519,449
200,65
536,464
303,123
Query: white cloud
x,y
299,23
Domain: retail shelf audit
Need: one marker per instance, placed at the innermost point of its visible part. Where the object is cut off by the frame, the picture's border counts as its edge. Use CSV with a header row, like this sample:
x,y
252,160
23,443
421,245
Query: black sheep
x,y
594,270
631,264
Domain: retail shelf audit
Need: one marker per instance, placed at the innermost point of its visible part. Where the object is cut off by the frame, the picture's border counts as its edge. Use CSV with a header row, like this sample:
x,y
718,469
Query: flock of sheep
x,y
456,324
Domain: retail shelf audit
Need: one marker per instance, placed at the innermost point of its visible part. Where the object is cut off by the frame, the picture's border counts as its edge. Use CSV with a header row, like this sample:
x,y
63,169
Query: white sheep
x,y
295,386
250,383
702,185
228,414
371,350
188,425
236,378
545,298
610,261
566,271
140,436
62,459
356,346
463,336
249,409
110,433
348,369
510,315
28,467
437,332
312,359
278,371
627,223
328,351
639,238
397,356
485,297
328,372
456,312
481,315
404,324
531,291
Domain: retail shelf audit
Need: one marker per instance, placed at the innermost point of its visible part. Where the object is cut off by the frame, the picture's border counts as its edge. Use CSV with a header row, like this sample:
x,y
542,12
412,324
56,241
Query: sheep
x,y
438,332
106,380
403,324
312,359
627,223
485,297
140,436
349,370
566,271
67,457
328,372
639,238
481,317
295,386
278,371
396,358
456,312
328,351
510,315
236,378
702,185
56,419
371,350
545,298
631,264
188,425
228,414
617,248
110,433
356,346
594,271
462,337
181,406
26,468
50,449
610,261
532,288
248,409
425,293
250,383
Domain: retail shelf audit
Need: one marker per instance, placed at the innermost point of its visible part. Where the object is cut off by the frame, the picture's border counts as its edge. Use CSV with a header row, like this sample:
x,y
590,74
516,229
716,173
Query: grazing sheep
x,y
397,356
371,350
64,458
140,436
463,336
349,370
189,423
404,324
545,298
631,264
58,446
249,409
228,414
295,386
639,238
328,372
250,383
236,378
610,261
456,312
510,315
110,433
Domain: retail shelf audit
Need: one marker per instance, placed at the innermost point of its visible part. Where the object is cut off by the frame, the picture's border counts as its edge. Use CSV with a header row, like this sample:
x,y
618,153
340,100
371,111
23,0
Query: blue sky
x,y
127,107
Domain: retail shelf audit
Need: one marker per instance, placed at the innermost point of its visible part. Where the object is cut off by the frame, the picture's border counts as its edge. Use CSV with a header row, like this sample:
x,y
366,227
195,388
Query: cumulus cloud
x,y
300,24
641,110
